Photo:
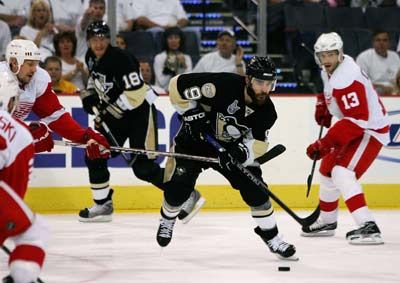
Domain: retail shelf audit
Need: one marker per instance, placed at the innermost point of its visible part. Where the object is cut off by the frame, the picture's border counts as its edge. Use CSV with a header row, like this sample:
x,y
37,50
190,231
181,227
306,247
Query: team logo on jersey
x,y
208,90
100,83
228,129
233,107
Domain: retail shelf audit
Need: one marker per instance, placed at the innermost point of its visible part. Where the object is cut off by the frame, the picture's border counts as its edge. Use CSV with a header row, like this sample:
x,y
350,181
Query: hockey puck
x,y
284,268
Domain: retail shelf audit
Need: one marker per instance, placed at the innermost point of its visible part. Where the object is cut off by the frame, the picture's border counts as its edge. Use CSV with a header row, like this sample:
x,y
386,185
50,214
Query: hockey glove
x,y
196,123
97,145
89,99
117,109
320,148
42,139
238,152
322,115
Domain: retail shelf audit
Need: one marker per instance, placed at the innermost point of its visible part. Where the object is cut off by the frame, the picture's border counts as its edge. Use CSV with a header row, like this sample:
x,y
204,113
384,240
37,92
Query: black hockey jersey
x,y
117,72
222,95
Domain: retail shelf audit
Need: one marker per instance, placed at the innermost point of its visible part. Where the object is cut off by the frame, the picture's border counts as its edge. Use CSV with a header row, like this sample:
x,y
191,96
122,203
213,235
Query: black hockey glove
x,y
196,123
237,152
114,110
89,99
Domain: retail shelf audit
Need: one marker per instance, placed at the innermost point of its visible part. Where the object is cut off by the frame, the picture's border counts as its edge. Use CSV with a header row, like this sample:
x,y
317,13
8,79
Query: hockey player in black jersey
x,y
238,112
125,106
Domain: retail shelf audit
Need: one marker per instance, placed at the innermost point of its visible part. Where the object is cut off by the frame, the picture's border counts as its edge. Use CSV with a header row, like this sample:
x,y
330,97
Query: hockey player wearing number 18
x,y
351,144
125,103
238,112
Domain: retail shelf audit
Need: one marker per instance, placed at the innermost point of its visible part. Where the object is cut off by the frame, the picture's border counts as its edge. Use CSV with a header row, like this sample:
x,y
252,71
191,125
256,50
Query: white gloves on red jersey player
x,y
96,144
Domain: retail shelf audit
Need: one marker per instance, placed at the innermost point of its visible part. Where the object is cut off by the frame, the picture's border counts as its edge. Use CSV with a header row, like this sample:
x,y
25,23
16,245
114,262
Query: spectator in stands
x,y
14,13
53,66
397,89
158,15
39,28
65,13
120,41
5,38
171,61
95,12
380,63
73,69
146,71
227,58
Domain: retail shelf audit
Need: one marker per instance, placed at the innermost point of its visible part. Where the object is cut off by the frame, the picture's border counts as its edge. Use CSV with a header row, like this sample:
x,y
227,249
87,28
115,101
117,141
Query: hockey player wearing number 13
x,y
126,107
238,112
351,144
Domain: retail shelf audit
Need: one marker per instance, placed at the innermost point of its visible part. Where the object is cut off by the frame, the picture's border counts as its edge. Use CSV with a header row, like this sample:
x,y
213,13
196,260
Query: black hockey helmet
x,y
262,68
97,28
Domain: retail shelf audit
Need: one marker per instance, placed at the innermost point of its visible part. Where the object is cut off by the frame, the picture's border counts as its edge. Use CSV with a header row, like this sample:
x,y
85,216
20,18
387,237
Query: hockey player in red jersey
x,y
17,222
350,145
22,59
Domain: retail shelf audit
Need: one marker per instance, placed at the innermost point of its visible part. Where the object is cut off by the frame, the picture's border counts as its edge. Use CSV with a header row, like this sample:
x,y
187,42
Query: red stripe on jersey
x,y
352,101
47,103
28,253
356,202
328,206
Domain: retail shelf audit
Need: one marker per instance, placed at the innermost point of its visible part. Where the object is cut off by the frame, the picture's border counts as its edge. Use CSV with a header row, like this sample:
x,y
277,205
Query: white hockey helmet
x,y
9,91
22,49
328,42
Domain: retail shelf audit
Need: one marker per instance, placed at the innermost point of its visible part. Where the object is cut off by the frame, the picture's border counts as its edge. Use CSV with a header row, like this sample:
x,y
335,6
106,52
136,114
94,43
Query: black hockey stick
x,y
8,252
111,136
272,153
259,183
310,177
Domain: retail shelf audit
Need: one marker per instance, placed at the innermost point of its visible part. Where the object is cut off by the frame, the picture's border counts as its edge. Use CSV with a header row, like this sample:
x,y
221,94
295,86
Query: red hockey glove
x,y
42,139
320,148
322,115
96,145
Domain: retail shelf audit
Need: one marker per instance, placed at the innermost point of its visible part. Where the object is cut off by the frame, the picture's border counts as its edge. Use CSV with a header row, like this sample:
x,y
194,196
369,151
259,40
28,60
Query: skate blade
x,y
96,219
374,239
199,204
291,258
328,233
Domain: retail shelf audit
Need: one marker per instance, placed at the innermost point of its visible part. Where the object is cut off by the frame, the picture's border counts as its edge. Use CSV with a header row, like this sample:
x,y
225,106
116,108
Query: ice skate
x,y
367,234
97,213
319,229
191,207
277,246
164,233
9,279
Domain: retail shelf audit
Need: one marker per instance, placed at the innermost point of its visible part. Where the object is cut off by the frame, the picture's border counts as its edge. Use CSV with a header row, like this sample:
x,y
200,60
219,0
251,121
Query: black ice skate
x,y
367,234
277,246
191,207
9,279
319,229
164,233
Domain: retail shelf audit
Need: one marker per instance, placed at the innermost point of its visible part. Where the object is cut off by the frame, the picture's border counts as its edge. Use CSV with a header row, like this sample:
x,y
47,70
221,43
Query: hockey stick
x,y
310,177
272,153
259,183
8,252
111,136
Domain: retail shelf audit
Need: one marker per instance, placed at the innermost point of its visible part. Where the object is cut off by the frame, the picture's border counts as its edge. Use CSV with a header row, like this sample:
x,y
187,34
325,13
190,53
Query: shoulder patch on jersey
x,y
248,111
208,90
233,107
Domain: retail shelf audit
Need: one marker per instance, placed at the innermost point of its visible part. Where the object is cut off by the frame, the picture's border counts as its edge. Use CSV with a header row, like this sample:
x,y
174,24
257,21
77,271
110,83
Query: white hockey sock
x,y
352,193
100,191
169,210
264,216
329,200
24,271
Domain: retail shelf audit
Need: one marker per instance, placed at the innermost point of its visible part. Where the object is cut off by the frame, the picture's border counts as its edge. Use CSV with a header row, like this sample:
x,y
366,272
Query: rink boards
x,y
60,178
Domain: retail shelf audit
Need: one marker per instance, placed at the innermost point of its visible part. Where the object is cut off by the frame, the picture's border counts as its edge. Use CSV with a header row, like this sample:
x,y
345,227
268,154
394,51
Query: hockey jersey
x,y
351,97
16,153
38,96
222,95
116,75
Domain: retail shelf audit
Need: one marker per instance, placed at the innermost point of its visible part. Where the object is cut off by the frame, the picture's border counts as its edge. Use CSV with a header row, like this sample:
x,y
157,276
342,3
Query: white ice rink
x,y
213,247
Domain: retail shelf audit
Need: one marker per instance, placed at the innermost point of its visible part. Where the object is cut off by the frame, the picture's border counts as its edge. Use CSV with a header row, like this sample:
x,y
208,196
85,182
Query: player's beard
x,y
255,99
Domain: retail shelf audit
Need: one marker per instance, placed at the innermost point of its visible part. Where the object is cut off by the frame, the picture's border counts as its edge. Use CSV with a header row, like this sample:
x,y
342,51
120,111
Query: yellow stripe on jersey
x,y
137,96
180,104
